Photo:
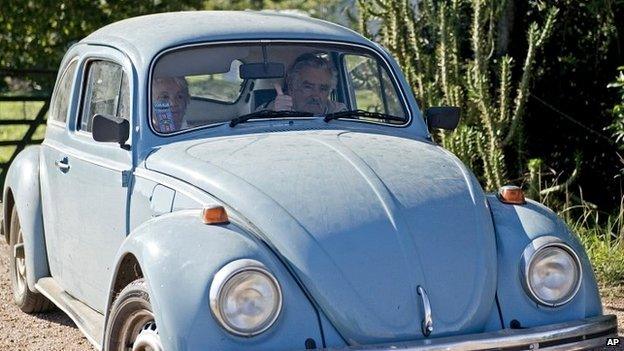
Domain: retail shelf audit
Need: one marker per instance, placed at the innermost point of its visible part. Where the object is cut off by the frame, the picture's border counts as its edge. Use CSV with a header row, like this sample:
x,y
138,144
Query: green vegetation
x,y
604,244
36,34
17,110
471,70
617,126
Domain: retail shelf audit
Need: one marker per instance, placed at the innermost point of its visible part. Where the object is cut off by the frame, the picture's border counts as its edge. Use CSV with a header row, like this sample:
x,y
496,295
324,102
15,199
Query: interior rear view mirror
x,y
261,70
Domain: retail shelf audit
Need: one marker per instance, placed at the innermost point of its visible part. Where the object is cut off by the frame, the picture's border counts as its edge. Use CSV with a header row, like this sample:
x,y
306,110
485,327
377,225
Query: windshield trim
x,y
377,53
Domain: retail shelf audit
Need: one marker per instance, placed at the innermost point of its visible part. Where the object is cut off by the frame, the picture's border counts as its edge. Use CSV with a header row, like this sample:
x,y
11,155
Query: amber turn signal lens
x,y
511,194
215,215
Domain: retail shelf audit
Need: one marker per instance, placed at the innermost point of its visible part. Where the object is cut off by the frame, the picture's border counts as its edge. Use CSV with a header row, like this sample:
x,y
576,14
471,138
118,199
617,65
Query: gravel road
x,y
43,331
56,331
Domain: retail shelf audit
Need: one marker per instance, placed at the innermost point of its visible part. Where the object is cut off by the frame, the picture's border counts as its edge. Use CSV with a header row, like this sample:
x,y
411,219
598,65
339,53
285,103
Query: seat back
x,y
263,96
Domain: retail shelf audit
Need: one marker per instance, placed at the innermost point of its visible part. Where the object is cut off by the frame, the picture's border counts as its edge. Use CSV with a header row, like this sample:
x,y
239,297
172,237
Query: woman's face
x,y
169,90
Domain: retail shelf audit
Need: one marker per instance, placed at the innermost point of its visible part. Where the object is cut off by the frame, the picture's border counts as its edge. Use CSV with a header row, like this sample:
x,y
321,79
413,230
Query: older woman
x,y
170,97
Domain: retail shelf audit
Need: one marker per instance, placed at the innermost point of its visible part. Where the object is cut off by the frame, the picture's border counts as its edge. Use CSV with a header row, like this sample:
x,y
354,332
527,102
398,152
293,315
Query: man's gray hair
x,y
310,60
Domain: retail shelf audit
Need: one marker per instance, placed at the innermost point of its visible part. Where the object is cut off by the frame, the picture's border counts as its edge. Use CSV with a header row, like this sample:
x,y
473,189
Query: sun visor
x,y
211,60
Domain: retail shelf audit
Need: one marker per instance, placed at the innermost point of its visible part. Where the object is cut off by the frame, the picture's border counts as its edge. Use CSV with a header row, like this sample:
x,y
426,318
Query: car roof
x,y
144,37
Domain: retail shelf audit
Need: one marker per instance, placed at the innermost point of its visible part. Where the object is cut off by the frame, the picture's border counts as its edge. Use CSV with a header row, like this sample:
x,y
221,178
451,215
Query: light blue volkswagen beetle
x,y
241,180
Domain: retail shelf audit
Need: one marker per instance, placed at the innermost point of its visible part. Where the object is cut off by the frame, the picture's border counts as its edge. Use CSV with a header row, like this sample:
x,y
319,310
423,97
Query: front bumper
x,y
581,334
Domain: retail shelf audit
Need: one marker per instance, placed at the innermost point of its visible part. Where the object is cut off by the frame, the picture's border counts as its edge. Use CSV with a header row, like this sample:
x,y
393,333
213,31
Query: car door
x,y
53,177
95,186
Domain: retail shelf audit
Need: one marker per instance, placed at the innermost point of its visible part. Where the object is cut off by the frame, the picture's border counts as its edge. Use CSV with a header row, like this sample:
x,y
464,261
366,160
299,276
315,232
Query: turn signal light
x,y
511,194
215,215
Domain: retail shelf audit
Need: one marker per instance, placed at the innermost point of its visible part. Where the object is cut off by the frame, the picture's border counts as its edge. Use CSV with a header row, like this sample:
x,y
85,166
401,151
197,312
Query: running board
x,y
89,321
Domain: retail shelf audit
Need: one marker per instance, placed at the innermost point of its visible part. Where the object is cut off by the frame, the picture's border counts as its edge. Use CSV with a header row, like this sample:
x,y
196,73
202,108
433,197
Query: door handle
x,y
62,164
427,322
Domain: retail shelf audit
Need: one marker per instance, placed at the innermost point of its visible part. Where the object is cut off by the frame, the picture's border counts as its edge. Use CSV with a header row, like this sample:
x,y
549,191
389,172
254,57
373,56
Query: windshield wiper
x,y
356,114
269,114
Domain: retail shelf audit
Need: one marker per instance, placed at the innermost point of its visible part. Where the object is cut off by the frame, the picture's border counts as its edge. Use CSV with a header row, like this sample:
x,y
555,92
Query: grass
x,y
26,110
602,236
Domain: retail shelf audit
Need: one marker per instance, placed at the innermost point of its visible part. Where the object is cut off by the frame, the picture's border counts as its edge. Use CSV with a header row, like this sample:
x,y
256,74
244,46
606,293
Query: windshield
x,y
215,84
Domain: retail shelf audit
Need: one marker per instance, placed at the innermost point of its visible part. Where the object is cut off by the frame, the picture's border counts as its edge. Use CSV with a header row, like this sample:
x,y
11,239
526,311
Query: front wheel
x,y
131,324
26,300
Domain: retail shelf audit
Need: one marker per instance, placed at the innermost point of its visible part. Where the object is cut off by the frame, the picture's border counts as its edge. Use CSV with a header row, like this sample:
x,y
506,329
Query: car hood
x,y
363,220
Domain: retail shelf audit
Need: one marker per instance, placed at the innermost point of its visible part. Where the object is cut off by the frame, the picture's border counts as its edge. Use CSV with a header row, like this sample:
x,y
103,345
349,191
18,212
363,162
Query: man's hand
x,y
282,102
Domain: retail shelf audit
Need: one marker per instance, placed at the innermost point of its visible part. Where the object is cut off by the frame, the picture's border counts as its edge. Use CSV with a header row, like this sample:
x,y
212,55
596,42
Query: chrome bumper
x,y
581,334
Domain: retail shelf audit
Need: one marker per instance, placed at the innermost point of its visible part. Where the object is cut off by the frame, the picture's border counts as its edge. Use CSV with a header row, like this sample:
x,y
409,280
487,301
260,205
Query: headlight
x,y
245,297
552,272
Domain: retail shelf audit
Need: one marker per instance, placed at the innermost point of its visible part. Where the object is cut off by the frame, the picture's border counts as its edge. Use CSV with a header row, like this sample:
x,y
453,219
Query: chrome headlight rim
x,y
220,280
536,247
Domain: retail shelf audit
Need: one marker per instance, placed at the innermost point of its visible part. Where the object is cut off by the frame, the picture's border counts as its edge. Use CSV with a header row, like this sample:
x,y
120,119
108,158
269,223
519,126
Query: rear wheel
x,y
131,324
26,300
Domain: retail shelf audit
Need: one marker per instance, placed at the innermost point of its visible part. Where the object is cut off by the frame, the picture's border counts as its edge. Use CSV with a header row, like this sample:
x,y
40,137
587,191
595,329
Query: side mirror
x,y
110,128
444,117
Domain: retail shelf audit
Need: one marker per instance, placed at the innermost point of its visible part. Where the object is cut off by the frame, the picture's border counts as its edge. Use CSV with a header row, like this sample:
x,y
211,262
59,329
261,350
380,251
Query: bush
x,y
617,126
604,244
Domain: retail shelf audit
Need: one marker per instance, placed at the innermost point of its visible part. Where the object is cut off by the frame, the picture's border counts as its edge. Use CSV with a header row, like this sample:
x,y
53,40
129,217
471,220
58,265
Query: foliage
x,y
569,106
603,243
36,34
617,126
475,71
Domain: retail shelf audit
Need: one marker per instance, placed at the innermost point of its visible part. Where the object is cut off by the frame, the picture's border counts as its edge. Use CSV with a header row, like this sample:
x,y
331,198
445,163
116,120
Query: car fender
x,y
178,256
22,182
516,226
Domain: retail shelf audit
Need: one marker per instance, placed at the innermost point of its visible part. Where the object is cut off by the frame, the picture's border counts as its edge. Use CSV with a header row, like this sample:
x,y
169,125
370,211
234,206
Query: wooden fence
x,y
17,137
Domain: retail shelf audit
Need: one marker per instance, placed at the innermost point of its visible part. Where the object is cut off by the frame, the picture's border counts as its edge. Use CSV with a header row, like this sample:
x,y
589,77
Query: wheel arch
x,y
178,255
7,209
127,271
22,190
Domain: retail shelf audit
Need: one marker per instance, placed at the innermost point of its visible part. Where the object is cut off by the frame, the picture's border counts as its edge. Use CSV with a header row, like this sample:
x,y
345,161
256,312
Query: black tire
x,y
26,300
131,324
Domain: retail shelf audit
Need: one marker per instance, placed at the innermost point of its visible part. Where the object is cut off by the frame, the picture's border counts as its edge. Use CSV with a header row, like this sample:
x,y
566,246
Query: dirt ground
x,y
56,331
613,303
44,331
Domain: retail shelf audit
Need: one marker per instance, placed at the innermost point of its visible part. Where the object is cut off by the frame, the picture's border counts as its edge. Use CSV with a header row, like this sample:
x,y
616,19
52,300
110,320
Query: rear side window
x,y
60,101
106,93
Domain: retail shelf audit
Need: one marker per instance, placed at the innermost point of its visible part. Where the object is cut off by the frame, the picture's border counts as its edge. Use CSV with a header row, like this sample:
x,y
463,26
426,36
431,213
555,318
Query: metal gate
x,y
22,115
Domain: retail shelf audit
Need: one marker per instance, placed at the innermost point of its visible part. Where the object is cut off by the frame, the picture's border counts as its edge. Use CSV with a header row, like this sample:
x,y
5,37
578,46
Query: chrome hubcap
x,y
139,332
148,339
20,267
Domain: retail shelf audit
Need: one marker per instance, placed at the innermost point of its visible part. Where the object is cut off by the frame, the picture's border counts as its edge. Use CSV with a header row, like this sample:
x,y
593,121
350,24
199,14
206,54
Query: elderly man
x,y
308,83
170,97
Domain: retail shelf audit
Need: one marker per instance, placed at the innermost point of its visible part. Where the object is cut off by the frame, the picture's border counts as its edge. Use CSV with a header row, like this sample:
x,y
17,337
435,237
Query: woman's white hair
x,y
180,82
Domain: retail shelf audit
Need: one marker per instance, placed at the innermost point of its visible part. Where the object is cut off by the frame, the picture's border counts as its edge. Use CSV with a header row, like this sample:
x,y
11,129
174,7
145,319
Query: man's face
x,y
312,92
169,90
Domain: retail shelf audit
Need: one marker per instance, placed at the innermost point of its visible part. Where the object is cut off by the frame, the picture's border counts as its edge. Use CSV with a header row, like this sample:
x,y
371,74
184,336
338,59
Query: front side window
x,y
370,86
106,93
210,85
60,102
